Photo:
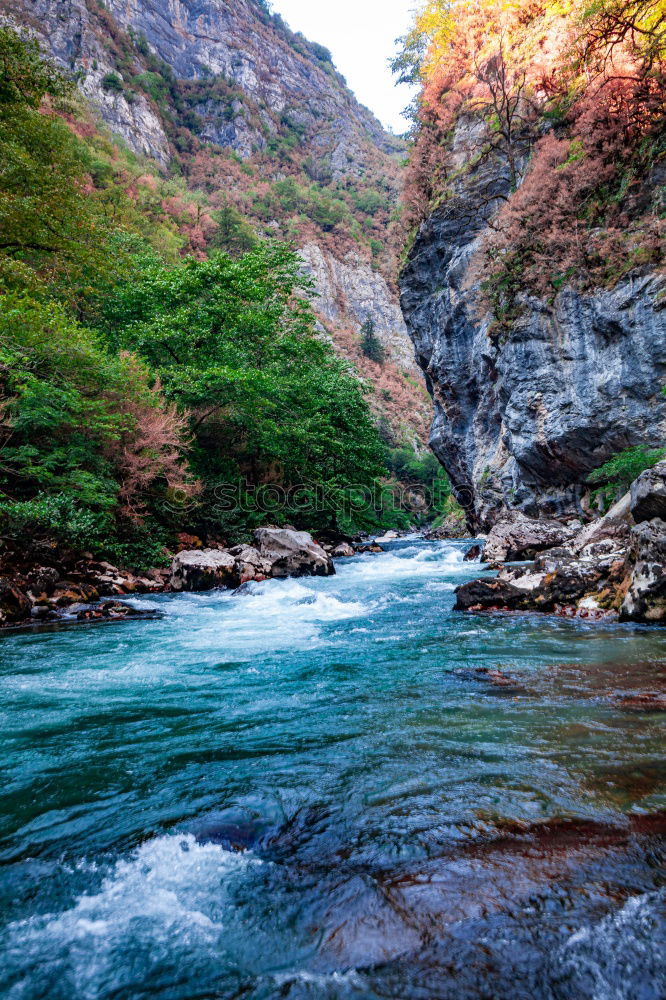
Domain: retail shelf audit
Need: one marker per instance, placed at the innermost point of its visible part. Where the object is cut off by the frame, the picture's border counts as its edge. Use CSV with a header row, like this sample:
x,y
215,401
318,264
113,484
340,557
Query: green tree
x,y
234,342
84,433
371,345
51,224
615,476
234,234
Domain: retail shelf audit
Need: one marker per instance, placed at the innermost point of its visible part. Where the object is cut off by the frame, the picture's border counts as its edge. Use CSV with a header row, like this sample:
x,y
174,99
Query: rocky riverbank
x,y
54,586
613,569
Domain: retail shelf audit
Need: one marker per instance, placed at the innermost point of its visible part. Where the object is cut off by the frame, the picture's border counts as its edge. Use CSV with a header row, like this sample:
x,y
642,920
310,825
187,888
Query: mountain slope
x,y
256,121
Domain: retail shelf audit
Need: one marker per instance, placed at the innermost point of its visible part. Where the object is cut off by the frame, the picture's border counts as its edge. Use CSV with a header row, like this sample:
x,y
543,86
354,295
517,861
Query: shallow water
x,y
314,790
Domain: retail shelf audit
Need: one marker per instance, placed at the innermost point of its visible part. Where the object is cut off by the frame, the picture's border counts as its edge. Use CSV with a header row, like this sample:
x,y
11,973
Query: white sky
x,y
361,35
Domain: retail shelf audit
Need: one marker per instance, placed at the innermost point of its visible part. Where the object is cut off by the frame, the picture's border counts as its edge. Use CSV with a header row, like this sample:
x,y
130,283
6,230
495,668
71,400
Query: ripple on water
x,y
333,788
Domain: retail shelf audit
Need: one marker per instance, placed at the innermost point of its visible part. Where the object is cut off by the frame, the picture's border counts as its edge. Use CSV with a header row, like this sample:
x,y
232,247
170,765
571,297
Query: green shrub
x,y
615,477
112,83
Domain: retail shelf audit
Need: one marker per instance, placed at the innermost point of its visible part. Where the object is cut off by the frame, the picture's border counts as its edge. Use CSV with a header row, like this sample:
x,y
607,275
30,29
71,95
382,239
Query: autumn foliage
x,y
568,101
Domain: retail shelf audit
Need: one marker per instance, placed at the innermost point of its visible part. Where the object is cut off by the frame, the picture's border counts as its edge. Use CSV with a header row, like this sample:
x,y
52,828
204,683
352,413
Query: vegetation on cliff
x,y
567,100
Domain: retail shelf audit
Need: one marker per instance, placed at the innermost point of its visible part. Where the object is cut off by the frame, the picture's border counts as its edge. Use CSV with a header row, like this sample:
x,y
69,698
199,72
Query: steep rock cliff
x,y
520,420
350,291
201,39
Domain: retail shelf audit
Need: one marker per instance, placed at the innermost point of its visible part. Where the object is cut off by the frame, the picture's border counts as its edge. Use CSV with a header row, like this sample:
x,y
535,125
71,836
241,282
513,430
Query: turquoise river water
x,y
333,789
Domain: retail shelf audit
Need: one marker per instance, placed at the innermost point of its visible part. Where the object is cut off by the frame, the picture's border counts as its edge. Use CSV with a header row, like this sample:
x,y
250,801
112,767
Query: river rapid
x,y
333,788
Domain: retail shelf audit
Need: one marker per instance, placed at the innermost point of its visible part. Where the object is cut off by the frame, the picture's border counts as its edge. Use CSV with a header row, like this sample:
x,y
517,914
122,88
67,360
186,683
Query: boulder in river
x,y
203,569
343,551
646,596
520,537
250,564
293,553
648,494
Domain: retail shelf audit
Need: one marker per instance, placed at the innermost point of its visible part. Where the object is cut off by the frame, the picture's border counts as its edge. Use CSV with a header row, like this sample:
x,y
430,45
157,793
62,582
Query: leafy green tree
x,y
79,424
234,342
616,475
51,224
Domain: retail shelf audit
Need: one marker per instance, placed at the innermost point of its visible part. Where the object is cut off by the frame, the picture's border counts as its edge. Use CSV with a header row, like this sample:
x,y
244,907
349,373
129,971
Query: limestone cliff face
x,y
200,39
521,420
69,30
349,292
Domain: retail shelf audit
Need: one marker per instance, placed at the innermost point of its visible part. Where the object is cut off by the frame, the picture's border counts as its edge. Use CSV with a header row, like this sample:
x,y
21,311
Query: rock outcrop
x,y
523,415
648,494
519,537
75,34
276,72
350,292
612,569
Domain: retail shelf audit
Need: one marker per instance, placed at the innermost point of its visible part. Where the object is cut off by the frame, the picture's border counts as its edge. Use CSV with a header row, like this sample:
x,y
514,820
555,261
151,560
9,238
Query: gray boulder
x,y
614,525
203,569
250,564
293,553
648,494
646,597
343,551
520,537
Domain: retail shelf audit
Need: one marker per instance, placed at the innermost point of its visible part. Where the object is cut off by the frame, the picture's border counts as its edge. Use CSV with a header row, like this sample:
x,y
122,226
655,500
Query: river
x,y
333,788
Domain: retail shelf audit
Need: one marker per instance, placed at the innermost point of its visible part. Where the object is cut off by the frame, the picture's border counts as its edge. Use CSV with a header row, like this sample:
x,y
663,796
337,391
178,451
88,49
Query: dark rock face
x,y
520,420
648,494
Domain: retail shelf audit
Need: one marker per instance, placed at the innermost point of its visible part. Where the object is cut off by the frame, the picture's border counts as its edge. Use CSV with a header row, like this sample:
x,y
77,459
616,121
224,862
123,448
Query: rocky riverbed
x,y
611,569
54,586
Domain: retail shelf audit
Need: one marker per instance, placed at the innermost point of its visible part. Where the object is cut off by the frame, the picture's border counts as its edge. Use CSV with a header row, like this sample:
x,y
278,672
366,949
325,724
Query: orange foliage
x,y
152,446
572,100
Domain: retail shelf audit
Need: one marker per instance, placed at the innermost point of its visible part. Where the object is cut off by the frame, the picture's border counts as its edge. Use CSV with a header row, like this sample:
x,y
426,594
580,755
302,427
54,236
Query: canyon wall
x,y
523,415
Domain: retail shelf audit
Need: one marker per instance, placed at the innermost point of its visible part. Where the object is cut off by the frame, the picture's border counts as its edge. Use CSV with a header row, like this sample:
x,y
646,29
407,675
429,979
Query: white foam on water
x,y
167,898
268,616
621,957
435,560
322,980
